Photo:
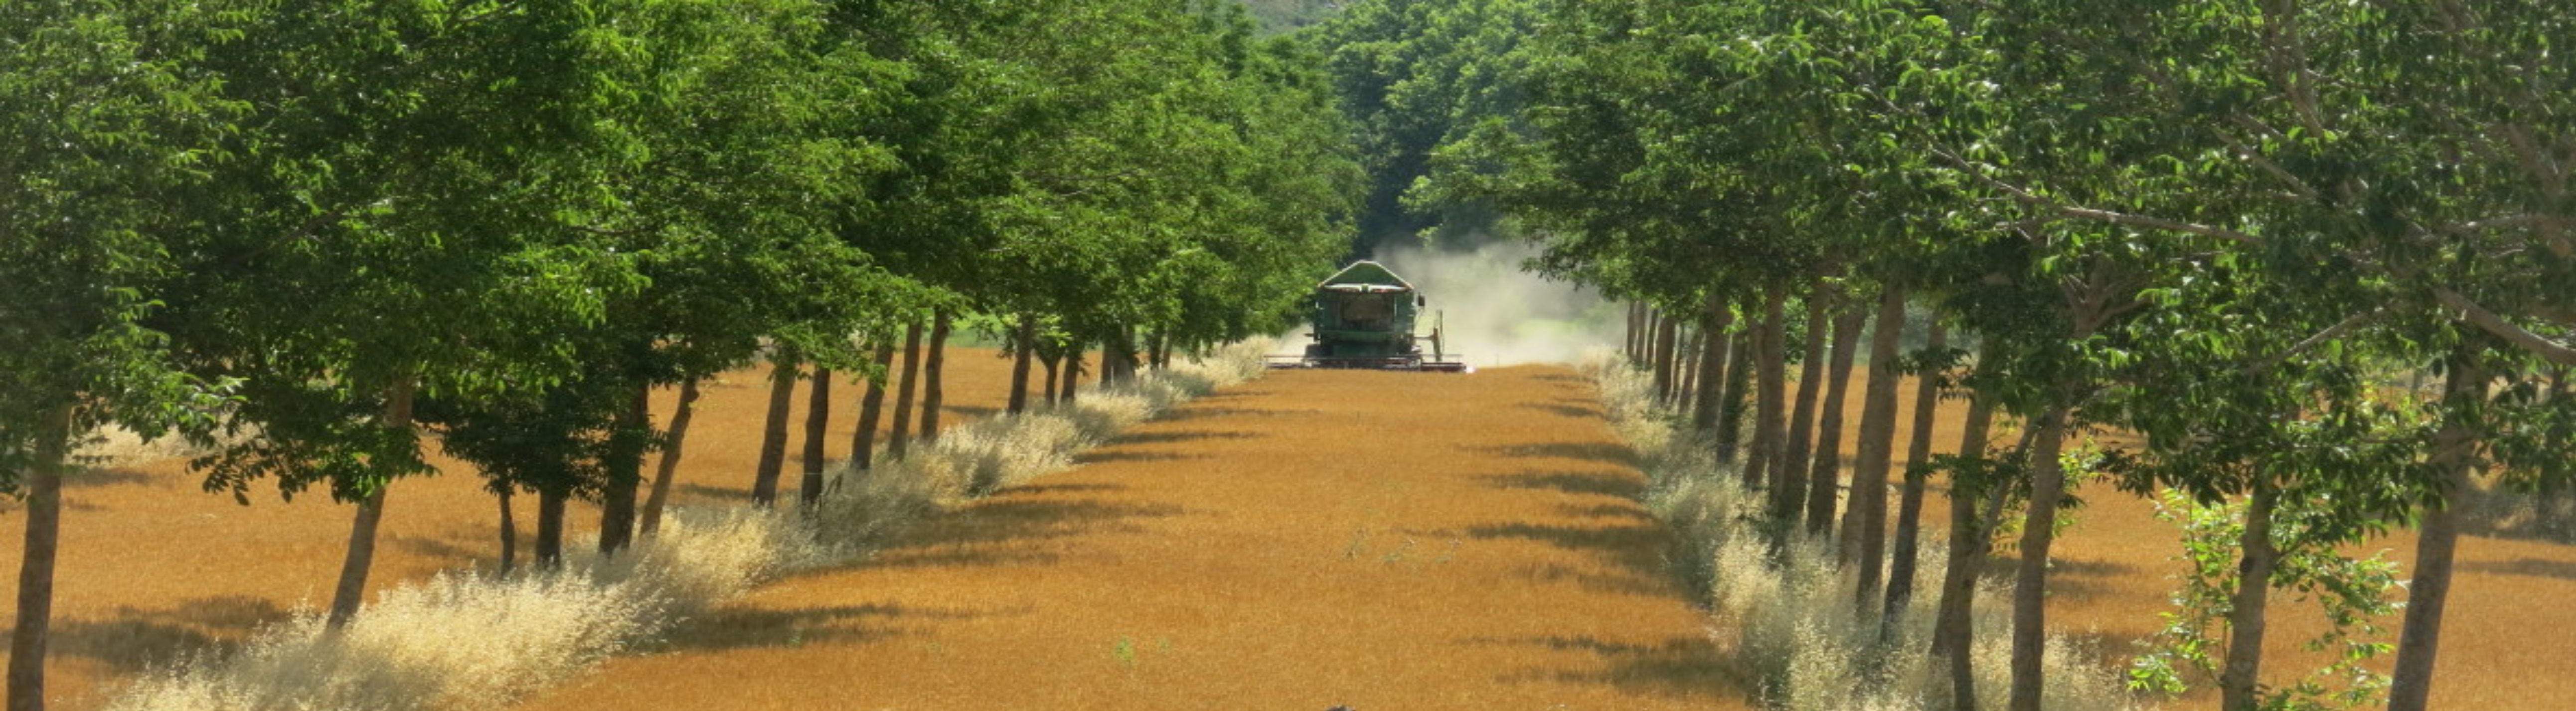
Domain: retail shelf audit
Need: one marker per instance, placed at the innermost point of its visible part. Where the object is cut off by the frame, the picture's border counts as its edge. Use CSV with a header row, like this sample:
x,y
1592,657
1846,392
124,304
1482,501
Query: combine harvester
x,y
1363,318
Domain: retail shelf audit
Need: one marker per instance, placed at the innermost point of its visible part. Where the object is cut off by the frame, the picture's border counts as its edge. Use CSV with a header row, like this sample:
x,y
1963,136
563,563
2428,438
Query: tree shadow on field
x,y
741,628
999,530
1637,548
2085,578
1562,378
1566,407
134,639
1682,667
1179,436
1600,483
1603,452
114,476
2525,565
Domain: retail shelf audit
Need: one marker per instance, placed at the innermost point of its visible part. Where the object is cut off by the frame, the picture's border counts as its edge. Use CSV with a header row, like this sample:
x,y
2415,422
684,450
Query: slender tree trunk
x,y
863,443
1770,414
2030,584
1118,356
1713,342
625,470
509,530
1027,335
1160,349
1953,634
783,374
2437,536
352,589
931,367
1918,456
550,528
1636,328
1802,418
1663,355
1739,381
1877,443
901,433
2240,679
1686,376
1050,361
1072,374
670,465
1825,473
44,502
818,425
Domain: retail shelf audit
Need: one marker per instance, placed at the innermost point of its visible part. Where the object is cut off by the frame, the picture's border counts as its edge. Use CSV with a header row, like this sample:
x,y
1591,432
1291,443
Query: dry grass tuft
x,y
1788,605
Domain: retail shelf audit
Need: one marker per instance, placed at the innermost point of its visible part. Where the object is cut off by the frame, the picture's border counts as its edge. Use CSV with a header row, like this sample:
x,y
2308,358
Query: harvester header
x,y
1364,318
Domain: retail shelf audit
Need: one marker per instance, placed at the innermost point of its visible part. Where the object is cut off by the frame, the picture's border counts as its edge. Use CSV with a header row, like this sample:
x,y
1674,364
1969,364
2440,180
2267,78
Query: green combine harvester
x,y
1364,317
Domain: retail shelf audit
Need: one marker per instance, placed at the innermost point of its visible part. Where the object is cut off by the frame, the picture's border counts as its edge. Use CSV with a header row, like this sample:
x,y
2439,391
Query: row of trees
x,y
2228,228
305,237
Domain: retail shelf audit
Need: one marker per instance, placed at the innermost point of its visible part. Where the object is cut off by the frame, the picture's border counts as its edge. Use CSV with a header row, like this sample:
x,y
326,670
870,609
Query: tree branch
x,y
2537,344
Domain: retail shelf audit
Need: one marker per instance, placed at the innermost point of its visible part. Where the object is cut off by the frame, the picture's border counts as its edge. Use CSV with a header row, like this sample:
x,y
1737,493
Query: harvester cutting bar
x,y
1371,363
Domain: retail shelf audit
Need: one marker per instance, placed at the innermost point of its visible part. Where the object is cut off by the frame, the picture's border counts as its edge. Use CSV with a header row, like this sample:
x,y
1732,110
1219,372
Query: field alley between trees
x,y
1309,539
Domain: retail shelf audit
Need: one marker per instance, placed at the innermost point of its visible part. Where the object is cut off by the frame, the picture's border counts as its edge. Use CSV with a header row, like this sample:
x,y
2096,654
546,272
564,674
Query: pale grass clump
x,y
1788,602
477,641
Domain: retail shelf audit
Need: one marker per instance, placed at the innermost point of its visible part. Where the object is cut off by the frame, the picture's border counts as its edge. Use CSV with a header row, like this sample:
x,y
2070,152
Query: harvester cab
x,y
1364,317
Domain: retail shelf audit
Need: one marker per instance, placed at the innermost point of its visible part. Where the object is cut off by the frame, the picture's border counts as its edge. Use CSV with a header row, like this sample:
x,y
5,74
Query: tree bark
x,y
1877,444
1770,416
1050,361
1072,374
670,465
931,367
1686,370
1825,473
2454,453
1802,418
783,374
1636,326
1918,455
2030,583
1664,342
1953,634
625,470
818,421
1739,379
2240,678
863,443
509,531
43,542
901,432
1713,342
550,528
1027,336
352,588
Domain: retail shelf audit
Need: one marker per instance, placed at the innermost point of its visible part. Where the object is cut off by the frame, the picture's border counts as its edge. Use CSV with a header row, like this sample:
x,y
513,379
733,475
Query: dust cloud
x,y
1491,312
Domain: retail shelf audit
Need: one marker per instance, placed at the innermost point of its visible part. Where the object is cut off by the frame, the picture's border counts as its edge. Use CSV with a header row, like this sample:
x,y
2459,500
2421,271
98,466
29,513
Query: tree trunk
x,y
670,465
625,470
44,502
1877,444
1770,416
1918,456
901,432
1636,328
2030,583
1072,374
1686,371
1027,335
1118,356
863,443
818,425
2240,679
1739,380
2454,453
1713,342
931,367
1802,418
1825,473
1159,350
352,588
1953,634
783,373
1050,361
509,531
1664,343
550,528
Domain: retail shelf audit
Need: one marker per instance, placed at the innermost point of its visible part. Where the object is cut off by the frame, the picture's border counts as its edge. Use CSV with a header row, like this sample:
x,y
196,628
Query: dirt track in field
x,y
152,566
1311,539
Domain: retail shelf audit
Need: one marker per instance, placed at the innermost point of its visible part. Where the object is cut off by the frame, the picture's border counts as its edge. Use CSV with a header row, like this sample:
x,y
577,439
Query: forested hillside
x,y
1279,16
